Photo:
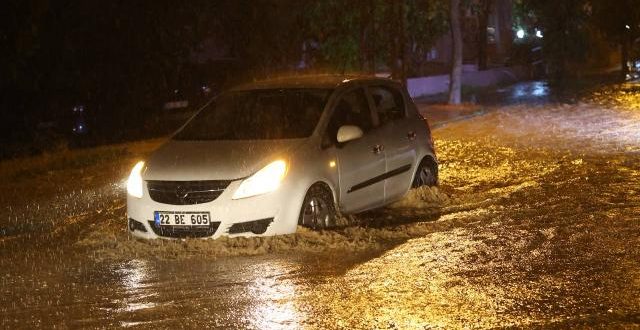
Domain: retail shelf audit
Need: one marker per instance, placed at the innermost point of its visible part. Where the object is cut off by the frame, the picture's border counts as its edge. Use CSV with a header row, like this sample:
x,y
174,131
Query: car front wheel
x,y
318,210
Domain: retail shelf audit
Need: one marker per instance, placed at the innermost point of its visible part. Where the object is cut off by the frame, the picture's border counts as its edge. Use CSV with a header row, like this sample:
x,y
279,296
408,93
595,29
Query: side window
x,y
352,109
389,103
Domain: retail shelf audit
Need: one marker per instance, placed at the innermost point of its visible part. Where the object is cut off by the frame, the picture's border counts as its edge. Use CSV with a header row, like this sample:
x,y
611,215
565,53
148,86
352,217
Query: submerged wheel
x,y
318,210
427,174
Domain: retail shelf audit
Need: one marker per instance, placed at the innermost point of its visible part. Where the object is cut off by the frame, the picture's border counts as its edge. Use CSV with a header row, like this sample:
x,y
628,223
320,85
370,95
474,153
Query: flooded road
x,y
536,224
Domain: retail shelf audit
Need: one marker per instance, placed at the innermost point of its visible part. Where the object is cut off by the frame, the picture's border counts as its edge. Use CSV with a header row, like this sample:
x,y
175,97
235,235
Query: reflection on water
x,y
530,92
535,88
135,275
256,293
539,88
274,299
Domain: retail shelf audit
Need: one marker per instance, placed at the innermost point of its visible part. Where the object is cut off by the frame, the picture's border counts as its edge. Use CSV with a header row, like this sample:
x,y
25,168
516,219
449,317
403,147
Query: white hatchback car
x,y
265,157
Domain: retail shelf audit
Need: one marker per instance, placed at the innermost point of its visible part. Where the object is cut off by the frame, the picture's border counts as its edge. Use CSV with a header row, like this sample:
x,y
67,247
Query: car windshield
x,y
258,115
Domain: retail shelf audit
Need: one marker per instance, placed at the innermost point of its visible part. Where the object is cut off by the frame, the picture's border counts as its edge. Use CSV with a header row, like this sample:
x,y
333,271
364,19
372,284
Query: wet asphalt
x,y
536,224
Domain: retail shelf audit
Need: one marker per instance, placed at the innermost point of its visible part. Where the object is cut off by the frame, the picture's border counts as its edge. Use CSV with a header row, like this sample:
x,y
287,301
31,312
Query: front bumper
x,y
274,213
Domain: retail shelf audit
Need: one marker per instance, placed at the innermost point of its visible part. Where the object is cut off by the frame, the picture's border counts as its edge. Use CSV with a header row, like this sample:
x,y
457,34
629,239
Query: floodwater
x,y
536,223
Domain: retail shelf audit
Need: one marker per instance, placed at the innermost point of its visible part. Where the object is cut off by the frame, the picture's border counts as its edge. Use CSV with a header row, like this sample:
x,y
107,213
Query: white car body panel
x,y
357,164
214,160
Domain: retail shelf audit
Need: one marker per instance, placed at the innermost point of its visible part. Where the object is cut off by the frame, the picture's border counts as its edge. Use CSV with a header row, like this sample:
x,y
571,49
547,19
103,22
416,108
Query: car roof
x,y
311,81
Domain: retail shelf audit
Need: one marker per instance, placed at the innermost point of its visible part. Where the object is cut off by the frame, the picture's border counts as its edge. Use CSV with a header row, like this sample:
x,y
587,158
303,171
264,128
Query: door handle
x,y
411,135
378,148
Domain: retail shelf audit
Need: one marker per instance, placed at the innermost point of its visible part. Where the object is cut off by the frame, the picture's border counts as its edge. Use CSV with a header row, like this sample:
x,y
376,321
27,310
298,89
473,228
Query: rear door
x,y
361,162
398,138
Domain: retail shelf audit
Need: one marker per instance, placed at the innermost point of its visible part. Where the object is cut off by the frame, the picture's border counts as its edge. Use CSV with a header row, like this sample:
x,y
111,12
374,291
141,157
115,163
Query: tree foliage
x,y
117,53
569,26
619,22
565,31
347,30
123,56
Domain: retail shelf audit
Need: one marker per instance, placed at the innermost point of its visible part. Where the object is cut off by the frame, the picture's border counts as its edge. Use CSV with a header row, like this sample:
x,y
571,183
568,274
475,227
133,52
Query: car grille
x,y
186,192
184,231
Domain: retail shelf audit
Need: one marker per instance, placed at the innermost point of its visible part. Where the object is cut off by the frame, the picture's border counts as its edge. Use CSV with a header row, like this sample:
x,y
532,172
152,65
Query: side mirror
x,y
348,133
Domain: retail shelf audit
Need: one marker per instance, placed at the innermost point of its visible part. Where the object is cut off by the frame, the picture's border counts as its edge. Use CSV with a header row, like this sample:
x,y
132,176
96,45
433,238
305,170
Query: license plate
x,y
187,219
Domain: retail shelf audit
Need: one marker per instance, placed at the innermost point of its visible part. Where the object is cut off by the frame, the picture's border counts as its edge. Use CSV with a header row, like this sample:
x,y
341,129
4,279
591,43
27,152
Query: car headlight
x,y
266,180
134,183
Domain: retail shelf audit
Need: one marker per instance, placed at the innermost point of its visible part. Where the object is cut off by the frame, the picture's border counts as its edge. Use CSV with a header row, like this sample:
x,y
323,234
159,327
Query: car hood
x,y
214,160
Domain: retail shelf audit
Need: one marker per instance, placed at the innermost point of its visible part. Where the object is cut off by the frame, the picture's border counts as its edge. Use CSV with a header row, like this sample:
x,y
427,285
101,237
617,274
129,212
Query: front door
x,y
361,162
398,138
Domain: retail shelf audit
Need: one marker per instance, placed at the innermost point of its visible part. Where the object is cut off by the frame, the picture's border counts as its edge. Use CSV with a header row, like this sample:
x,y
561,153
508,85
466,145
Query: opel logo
x,y
181,192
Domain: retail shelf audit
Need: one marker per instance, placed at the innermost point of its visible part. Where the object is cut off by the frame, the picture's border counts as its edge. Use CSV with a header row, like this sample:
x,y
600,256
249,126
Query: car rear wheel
x,y
318,210
427,174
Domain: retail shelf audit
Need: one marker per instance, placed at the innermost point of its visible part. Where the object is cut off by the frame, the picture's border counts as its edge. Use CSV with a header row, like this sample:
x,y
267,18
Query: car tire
x,y
427,174
318,210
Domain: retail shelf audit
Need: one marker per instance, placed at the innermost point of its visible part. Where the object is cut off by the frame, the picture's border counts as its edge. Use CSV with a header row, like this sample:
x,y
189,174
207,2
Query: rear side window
x,y
389,103
352,109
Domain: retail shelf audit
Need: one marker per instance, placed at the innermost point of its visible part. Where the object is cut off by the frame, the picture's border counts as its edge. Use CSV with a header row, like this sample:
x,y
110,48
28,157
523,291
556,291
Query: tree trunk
x,y
402,44
483,22
394,31
363,47
371,49
455,86
397,37
367,36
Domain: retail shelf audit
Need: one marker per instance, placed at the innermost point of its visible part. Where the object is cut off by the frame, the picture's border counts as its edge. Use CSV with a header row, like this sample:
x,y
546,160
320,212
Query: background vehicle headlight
x,y
134,183
266,180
